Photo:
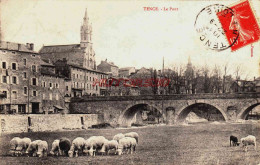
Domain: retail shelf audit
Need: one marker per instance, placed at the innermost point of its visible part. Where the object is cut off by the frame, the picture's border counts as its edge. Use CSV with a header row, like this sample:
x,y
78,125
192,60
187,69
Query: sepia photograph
x,y
174,82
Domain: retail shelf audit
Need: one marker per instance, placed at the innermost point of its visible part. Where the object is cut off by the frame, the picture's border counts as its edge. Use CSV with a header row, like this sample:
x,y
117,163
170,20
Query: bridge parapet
x,y
169,97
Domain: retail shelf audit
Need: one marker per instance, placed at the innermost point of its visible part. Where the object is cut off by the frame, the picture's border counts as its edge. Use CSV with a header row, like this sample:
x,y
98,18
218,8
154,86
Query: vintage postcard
x,y
129,82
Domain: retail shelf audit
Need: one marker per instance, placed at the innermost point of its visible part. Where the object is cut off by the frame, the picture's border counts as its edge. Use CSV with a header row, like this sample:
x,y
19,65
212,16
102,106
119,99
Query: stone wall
x,y
53,122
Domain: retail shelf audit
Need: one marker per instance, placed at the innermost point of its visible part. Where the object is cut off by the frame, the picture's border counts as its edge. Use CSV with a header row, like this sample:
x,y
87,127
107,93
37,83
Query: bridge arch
x,y
246,109
126,116
185,110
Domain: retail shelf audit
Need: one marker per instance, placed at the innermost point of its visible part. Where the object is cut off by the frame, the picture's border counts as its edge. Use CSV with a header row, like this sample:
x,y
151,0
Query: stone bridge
x,y
120,110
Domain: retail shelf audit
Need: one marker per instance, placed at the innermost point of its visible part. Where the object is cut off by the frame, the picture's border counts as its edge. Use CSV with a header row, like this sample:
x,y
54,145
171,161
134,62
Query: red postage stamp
x,y
243,22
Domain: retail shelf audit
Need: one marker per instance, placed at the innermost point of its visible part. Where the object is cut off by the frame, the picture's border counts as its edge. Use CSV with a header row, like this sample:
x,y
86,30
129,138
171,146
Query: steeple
x,y
85,34
86,42
86,19
163,66
189,61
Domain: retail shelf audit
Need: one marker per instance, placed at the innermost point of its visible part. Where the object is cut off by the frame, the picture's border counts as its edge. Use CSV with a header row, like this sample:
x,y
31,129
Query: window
x,y
50,96
4,65
4,79
25,90
67,88
96,88
73,75
33,68
57,85
87,86
14,66
5,93
24,75
34,93
77,76
24,62
34,81
14,94
44,84
21,108
87,77
50,85
2,108
14,78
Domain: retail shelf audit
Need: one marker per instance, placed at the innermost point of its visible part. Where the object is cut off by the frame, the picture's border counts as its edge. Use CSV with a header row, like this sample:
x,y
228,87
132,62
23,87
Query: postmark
x,y
211,33
244,21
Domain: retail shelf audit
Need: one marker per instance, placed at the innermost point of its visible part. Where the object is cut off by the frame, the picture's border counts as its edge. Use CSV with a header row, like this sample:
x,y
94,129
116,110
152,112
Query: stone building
x,y
127,71
20,78
53,89
79,80
121,87
109,68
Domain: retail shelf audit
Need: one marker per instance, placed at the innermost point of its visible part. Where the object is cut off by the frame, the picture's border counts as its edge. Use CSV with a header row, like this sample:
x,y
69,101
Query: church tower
x,y
86,43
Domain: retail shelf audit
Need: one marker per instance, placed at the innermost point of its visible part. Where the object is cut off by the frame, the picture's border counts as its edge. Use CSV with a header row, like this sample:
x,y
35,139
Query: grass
x,y
195,144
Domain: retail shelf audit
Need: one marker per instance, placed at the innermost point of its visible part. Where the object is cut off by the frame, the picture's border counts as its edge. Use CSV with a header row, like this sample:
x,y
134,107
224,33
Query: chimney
x,y
31,46
28,45
19,46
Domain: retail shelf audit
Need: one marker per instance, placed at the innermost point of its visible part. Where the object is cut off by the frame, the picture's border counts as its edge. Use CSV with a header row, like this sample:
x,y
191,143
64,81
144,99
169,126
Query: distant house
x,y
109,68
257,84
121,87
242,86
127,71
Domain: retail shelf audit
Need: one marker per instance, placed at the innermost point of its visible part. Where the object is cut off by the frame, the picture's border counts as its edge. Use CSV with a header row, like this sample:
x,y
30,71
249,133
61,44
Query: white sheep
x,y
42,148
33,148
109,145
22,146
249,140
55,148
133,135
118,136
126,145
77,145
13,145
94,144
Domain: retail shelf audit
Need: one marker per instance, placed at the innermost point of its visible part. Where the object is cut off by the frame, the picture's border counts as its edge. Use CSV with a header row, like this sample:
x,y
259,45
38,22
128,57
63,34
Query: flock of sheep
x,y
121,144
246,141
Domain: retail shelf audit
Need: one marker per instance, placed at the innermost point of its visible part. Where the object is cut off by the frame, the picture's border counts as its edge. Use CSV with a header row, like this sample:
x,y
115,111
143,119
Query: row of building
x,y
44,81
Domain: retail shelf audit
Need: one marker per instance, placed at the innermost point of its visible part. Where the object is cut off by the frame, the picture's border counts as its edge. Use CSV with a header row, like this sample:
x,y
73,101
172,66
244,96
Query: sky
x,y
124,33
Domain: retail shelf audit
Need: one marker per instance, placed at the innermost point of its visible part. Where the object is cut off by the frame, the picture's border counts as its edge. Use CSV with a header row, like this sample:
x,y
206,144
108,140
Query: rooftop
x,y
59,48
17,46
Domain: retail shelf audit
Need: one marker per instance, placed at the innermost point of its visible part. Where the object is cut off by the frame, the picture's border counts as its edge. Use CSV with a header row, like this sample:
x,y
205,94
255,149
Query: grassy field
x,y
194,144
